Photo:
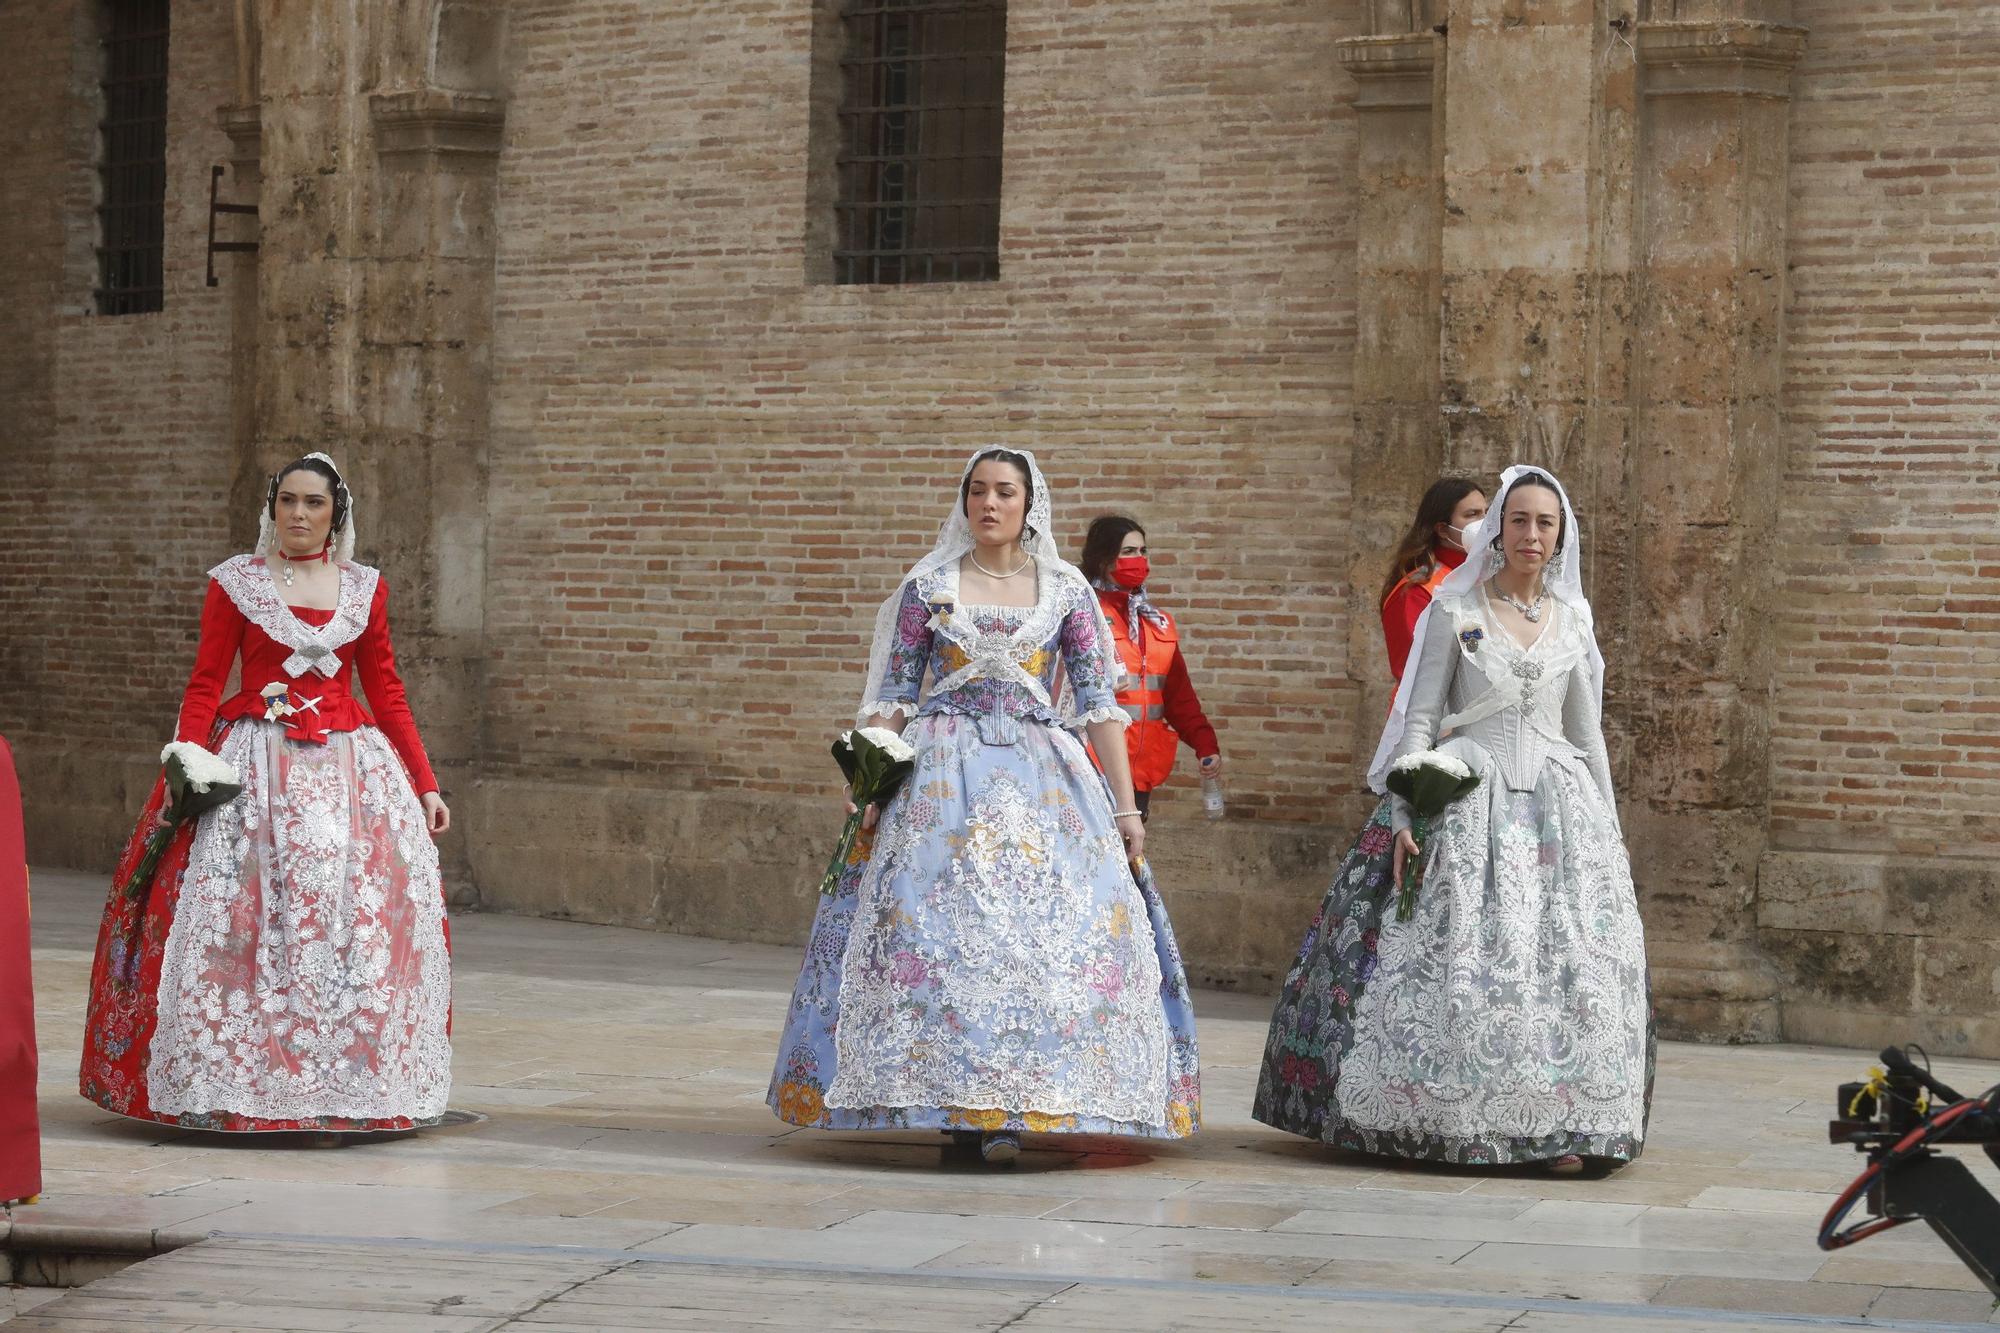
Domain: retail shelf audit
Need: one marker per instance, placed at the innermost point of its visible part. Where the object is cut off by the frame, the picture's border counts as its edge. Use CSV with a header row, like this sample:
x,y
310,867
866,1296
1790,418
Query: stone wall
x,y
542,275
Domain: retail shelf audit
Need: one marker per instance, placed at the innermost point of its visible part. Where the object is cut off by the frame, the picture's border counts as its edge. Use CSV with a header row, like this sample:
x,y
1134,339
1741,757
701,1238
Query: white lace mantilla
x,y
305,974
247,580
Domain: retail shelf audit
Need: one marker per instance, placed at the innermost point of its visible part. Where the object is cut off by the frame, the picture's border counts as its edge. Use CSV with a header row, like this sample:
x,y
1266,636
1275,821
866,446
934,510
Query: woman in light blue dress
x,y
995,958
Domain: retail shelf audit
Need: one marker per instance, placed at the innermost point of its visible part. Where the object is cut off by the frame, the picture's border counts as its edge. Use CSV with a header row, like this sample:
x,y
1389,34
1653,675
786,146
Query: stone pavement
x,y
628,1175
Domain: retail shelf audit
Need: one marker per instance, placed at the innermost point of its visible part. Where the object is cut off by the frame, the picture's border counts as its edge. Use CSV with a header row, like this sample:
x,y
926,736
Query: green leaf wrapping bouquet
x,y
1429,780
875,760
197,782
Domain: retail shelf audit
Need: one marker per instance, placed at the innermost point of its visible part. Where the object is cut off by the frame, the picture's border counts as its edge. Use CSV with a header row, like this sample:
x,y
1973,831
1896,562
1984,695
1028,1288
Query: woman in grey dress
x,y
1508,1020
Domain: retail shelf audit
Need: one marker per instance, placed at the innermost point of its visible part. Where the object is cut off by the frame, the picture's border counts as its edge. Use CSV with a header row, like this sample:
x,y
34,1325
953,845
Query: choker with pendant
x,y
322,556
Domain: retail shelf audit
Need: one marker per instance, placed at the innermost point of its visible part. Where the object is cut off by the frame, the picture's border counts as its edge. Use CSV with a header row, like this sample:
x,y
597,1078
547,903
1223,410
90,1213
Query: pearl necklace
x,y
1026,561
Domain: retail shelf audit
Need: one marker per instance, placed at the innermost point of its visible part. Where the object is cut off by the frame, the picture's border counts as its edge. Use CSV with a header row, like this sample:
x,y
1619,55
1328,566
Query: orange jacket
x,y
1407,600
1159,697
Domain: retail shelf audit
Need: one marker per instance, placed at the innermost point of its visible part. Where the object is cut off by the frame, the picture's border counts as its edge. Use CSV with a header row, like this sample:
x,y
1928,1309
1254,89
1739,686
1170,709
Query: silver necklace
x,y
1532,613
1026,560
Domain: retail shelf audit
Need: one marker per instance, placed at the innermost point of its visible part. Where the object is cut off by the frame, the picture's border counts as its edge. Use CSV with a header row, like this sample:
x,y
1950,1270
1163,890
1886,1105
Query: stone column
x,y
381,135
1518,248
1535,259
1705,465
1397,447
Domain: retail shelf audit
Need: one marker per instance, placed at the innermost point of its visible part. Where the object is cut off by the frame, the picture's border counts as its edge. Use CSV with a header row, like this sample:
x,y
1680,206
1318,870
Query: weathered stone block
x,y
1519,335
1694,869
1947,898
1503,113
470,40
1799,890
1958,976
578,883
1531,220
1824,967
1706,749
1398,337
431,210
1941,1035
301,46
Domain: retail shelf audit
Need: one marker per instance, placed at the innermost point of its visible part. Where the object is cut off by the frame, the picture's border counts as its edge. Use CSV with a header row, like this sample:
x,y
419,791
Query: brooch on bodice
x,y
1469,638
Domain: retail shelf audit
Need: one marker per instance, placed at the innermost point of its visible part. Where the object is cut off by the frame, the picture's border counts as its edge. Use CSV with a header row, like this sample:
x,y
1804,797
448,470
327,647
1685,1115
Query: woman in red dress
x,y
1430,550
286,967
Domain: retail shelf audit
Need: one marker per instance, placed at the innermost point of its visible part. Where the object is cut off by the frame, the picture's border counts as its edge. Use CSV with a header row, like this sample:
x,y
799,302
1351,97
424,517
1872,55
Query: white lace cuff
x,y
885,709
1112,713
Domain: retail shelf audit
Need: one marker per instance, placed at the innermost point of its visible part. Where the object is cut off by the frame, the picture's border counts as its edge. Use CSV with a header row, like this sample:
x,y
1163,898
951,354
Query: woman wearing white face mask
x,y
1507,1021
1433,547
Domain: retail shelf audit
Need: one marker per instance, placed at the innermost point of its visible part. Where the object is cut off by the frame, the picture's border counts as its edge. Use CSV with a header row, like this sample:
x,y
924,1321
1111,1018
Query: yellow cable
x,y
1878,1083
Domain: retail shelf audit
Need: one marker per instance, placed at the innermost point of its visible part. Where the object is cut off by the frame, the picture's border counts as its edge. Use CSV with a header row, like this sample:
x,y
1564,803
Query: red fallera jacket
x,y
1406,602
1159,697
226,632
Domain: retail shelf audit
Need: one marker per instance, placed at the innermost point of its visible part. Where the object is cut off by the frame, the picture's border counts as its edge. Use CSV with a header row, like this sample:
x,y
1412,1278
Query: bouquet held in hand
x,y
197,782
875,760
1429,781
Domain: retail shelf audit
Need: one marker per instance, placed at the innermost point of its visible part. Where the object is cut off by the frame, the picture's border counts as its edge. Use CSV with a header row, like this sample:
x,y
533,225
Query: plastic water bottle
x,y
1211,795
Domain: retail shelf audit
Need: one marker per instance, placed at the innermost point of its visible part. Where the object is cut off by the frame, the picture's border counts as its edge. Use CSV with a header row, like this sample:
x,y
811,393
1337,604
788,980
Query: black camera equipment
x,y
1897,1118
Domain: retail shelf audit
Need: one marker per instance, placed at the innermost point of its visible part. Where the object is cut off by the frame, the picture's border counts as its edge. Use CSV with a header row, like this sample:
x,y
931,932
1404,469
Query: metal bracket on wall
x,y
224,247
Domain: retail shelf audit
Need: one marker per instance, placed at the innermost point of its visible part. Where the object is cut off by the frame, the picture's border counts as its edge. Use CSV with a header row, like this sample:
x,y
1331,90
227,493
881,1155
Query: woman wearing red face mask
x,y
1158,695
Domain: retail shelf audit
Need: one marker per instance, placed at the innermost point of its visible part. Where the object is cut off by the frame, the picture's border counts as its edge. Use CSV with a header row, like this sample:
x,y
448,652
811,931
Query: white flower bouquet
x,y
197,782
1429,780
875,760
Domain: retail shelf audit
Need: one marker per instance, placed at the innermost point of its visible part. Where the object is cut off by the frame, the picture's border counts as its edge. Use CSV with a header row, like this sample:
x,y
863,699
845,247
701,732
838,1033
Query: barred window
x,y
132,157
920,120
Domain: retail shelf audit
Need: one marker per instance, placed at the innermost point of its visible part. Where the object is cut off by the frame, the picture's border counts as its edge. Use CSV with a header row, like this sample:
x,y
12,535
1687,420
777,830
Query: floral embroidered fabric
x,y
1003,671
989,958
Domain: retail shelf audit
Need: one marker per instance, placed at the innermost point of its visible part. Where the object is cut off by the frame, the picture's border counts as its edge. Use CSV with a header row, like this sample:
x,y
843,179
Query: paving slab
x,y
314,1287
617,1159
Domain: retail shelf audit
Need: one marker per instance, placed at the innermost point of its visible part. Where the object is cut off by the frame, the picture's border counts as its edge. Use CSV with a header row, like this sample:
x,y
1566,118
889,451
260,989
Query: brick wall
x,y
708,472
1885,732
117,449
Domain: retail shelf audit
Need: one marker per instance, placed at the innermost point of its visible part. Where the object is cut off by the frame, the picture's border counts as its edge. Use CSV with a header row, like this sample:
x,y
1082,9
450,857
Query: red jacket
x,y
242,613
1406,602
1159,697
